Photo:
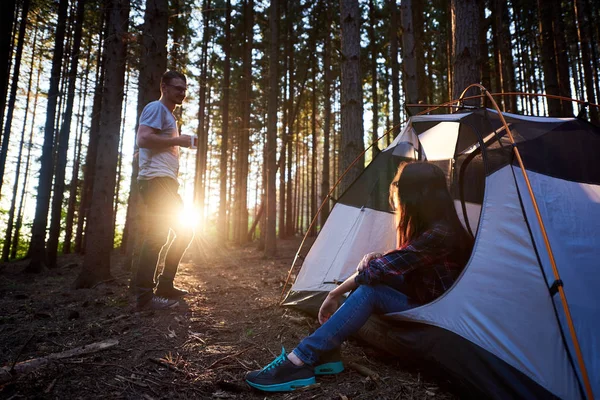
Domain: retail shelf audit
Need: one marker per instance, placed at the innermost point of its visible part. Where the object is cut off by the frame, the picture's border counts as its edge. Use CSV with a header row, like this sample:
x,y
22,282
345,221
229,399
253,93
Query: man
x,y
159,142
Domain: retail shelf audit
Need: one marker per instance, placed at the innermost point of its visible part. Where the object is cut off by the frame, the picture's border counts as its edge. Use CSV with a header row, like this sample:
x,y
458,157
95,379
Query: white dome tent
x,y
523,319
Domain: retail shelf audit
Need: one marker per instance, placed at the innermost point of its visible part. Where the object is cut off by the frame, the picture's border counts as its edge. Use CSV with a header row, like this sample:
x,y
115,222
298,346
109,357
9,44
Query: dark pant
x,y
163,208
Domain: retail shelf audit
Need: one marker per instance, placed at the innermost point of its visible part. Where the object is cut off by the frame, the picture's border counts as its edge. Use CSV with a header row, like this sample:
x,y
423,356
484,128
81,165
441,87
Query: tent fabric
x,y
575,243
505,305
500,330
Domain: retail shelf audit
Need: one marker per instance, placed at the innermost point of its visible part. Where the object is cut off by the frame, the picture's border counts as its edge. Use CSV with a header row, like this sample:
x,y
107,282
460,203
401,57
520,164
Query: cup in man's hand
x,y
194,142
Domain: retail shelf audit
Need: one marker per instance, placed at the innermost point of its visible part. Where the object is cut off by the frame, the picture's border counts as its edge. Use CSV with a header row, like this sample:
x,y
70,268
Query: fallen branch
x,y
361,369
229,356
9,373
166,364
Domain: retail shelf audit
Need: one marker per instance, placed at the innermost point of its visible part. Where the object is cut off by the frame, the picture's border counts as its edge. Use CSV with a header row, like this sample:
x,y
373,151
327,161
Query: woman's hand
x,y
365,260
329,306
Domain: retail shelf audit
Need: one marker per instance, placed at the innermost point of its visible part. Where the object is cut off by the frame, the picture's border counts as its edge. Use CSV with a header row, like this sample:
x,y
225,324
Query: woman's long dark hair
x,y
419,195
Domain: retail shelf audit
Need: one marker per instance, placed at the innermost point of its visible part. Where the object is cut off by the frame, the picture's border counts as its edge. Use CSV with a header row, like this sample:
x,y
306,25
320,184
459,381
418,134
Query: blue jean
x,y
163,206
350,317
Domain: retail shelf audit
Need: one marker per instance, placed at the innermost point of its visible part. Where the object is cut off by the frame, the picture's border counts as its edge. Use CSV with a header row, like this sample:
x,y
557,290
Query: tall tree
x,y
37,249
465,54
222,221
583,34
100,231
244,146
201,132
13,90
7,18
11,212
63,140
271,145
409,60
546,19
352,145
374,95
562,59
17,235
325,184
153,63
506,67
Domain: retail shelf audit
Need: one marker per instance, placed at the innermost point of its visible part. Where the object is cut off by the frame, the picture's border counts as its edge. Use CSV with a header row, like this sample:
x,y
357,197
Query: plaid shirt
x,y
423,269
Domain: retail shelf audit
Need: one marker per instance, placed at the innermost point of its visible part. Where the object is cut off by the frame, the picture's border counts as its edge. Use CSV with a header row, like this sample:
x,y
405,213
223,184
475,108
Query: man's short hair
x,y
170,75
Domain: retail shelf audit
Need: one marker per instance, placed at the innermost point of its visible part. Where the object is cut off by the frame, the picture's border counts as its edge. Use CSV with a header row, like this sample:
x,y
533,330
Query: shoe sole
x,y
284,387
331,368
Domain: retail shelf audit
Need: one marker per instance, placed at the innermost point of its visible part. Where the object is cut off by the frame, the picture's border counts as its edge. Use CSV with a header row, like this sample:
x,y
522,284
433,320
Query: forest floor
x,y
229,324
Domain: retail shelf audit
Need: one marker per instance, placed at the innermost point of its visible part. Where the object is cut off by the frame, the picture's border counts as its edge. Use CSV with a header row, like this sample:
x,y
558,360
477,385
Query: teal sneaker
x,y
281,375
330,363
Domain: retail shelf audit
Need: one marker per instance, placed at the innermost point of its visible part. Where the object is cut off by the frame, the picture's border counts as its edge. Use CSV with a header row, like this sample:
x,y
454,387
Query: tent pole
x,y
563,297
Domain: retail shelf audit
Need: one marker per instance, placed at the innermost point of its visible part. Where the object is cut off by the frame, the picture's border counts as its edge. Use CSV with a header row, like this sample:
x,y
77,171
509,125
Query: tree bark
x,y
63,141
466,58
37,249
17,235
222,227
583,34
153,63
7,18
549,56
374,95
352,144
13,91
244,145
325,183
201,132
271,150
92,148
11,212
562,59
96,263
75,181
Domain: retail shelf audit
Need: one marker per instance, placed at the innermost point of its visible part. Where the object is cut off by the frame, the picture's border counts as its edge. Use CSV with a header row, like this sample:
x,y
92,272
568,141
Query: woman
x,y
432,249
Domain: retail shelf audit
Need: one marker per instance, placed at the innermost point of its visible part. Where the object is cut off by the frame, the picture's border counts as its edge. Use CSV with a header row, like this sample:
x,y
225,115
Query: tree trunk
x,y
75,181
289,212
419,50
201,132
313,152
562,59
271,151
352,144
17,236
374,96
7,18
408,59
11,212
96,263
222,220
244,145
37,249
506,58
120,161
92,148
549,56
153,63
13,91
325,184
485,58
63,142
583,34
466,58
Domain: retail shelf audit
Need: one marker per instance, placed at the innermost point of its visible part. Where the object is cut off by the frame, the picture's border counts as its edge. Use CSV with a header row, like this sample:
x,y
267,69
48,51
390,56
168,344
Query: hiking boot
x,y
330,363
157,303
281,375
170,292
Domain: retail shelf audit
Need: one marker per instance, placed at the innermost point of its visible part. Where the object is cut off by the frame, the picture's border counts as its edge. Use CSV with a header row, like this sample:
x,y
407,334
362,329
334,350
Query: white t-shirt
x,y
156,163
